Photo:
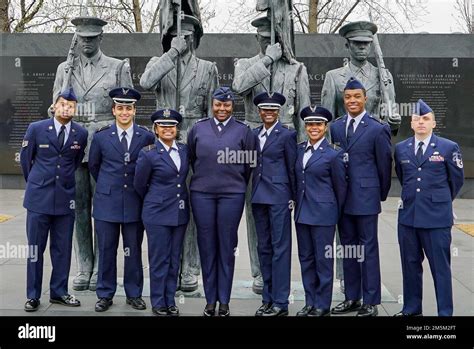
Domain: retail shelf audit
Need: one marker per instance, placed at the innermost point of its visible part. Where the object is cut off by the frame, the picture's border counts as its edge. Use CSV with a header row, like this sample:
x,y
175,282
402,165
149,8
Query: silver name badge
x,y
405,161
44,145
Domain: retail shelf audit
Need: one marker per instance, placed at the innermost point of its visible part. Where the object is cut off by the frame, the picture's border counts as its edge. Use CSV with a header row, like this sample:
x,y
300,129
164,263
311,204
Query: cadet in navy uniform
x,y
222,153
273,192
366,143
51,152
321,192
430,170
160,179
116,204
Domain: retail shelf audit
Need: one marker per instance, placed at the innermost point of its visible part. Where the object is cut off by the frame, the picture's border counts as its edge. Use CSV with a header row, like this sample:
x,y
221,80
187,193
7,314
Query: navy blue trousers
x,y
273,226
316,264
361,269
38,226
217,218
108,234
436,244
164,251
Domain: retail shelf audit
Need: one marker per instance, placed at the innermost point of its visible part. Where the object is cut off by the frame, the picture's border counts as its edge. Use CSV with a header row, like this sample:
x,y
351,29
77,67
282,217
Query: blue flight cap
x,y
266,100
422,108
124,95
315,114
166,117
354,84
68,95
223,94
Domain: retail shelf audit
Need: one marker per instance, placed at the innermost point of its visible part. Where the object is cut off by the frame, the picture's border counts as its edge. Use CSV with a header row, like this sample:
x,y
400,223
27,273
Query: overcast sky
x,y
438,19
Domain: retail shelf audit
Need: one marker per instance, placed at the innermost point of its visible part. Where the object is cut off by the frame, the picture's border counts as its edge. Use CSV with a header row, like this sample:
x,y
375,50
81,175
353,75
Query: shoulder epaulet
x,y
377,119
334,146
241,122
339,118
203,119
149,147
144,127
104,128
302,143
286,126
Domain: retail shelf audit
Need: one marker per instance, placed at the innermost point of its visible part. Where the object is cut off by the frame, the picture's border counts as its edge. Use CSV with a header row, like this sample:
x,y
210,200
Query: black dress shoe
x,y
67,300
209,310
305,311
224,310
263,308
402,314
173,311
32,304
368,310
318,312
103,304
161,311
276,311
137,303
346,307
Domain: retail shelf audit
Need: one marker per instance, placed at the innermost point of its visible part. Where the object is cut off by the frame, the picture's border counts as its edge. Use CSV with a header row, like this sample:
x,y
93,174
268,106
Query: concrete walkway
x,y
244,302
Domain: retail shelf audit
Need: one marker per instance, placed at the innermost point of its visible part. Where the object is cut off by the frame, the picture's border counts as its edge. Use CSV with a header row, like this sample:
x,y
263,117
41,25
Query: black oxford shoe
x,y
209,310
317,312
305,311
32,304
263,308
276,311
224,310
161,311
173,311
137,303
402,314
368,310
67,300
103,304
346,307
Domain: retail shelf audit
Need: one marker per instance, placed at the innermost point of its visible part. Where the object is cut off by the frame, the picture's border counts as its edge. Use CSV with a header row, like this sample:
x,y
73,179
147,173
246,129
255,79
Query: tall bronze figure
x,y
92,75
273,69
360,37
190,94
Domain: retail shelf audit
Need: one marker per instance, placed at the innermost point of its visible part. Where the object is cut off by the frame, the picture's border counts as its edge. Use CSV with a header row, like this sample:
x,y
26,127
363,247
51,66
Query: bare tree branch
x,y
345,16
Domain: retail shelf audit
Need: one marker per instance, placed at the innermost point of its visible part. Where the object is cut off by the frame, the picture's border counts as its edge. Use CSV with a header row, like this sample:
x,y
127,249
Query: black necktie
x,y
61,135
124,141
264,135
419,152
310,147
350,130
220,126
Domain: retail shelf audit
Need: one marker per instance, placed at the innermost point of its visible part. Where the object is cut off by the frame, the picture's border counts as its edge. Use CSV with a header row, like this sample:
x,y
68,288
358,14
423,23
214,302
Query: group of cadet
x,y
141,185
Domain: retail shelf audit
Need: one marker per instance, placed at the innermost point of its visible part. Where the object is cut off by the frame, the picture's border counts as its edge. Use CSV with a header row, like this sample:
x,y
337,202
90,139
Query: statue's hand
x,y
395,119
274,52
179,44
